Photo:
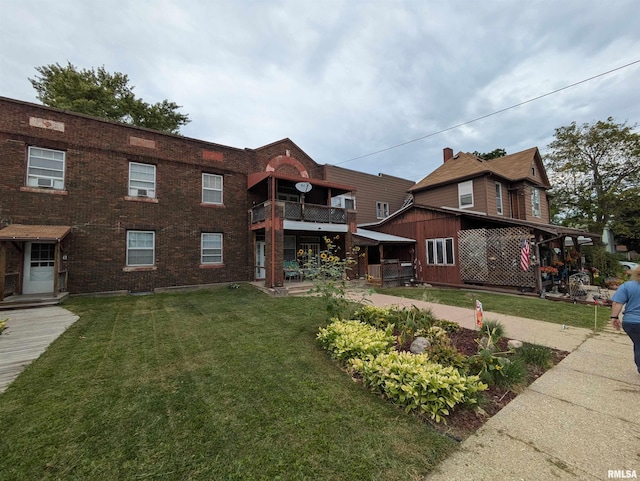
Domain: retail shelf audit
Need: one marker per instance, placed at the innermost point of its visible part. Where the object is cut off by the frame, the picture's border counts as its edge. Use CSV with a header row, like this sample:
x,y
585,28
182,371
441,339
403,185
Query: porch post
x,y
3,267
56,267
536,268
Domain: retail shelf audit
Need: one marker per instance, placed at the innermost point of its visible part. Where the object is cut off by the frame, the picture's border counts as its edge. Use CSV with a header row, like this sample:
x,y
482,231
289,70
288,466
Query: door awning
x,y
20,232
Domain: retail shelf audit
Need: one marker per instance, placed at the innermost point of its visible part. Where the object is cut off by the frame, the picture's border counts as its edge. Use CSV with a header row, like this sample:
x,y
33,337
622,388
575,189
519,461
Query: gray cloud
x,y
346,78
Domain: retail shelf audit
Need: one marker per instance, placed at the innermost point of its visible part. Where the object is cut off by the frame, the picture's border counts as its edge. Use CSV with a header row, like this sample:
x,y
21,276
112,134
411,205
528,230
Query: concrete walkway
x,y
579,421
28,334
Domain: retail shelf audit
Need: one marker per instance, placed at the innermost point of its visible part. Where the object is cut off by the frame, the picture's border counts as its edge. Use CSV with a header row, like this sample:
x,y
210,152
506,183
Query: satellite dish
x,y
303,187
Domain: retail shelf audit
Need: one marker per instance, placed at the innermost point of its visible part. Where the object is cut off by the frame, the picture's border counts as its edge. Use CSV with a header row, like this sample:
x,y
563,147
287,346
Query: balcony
x,y
313,213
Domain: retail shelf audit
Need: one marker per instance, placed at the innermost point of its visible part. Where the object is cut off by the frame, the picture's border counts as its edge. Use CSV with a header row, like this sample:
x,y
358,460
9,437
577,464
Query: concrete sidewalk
x,y
579,421
28,334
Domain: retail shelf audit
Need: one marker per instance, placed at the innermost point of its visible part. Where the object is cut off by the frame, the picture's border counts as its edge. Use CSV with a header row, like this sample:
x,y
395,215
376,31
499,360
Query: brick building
x,y
89,205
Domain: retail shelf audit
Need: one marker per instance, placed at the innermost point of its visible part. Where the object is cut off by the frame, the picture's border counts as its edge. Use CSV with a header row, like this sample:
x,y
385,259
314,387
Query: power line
x,y
491,114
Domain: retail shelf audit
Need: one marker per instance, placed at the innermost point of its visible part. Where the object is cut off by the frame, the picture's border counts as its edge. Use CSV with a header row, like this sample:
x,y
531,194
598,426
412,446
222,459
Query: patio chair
x,y
292,270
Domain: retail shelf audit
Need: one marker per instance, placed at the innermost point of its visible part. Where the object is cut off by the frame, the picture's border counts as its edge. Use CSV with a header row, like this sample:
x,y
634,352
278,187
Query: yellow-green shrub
x,y
410,380
348,339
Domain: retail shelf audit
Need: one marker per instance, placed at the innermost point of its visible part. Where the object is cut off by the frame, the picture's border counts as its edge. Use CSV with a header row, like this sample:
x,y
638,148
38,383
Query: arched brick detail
x,y
285,163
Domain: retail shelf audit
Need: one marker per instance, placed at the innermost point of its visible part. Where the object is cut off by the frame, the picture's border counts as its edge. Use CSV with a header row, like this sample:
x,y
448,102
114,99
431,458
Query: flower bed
x,y
460,380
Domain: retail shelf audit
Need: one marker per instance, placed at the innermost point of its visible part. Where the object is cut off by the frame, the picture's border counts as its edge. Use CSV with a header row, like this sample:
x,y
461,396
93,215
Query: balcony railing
x,y
305,213
314,213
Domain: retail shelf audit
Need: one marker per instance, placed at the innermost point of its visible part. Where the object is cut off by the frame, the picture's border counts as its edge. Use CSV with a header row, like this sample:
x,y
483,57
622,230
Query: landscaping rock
x,y
485,344
419,345
514,344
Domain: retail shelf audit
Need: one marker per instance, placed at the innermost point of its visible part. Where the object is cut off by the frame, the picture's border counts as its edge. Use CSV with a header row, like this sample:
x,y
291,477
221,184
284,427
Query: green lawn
x,y
221,384
578,315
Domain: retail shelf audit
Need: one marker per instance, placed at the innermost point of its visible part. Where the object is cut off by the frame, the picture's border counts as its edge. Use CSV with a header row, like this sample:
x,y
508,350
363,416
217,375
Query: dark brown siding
x,y
421,224
371,189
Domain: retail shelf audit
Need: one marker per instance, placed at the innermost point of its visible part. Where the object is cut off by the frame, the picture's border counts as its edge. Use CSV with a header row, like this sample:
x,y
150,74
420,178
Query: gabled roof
x,y
512,167
548,228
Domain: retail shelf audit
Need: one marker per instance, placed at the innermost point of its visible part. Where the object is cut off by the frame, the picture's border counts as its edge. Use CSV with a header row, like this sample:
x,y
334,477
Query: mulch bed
x,y
465,421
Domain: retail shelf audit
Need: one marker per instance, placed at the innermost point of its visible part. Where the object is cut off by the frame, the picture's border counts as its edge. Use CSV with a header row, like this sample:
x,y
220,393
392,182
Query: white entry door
x,y
260,259
39,260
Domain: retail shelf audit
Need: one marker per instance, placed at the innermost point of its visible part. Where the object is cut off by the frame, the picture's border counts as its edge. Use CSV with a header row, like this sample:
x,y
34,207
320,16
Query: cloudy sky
x,y
344,79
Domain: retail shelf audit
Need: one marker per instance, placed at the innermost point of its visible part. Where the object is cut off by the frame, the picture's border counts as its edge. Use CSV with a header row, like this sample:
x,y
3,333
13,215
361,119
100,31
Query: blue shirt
x,y
629,294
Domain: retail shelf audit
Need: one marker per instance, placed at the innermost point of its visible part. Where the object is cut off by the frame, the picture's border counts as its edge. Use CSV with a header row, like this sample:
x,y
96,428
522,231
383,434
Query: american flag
x,y
525,251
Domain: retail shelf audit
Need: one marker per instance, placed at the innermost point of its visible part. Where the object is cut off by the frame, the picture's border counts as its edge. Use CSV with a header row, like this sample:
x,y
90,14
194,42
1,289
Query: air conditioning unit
x,y
143,193
45,182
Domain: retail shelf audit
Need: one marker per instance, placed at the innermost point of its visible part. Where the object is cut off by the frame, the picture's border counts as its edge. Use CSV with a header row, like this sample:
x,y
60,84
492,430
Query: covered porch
x,y
389,260
32,264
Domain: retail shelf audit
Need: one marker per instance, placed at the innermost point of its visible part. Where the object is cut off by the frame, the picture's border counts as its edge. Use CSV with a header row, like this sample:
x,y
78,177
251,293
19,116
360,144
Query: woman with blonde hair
x,y
628,295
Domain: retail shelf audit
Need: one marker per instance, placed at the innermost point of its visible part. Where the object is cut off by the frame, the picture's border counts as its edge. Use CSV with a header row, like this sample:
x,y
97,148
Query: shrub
x,y
348,339
537,355
493,329
3,323
379,317
513,373
449,326
413,382
447,355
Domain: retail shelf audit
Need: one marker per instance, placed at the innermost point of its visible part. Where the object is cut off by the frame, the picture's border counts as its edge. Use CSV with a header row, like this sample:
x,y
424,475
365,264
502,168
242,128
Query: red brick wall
x,y
96,180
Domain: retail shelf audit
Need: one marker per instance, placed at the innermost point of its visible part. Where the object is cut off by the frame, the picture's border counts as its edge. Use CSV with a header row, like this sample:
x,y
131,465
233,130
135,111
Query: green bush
x,y
537,355
379,317
412,381
494,329
449,326
513,373
495,368
348,339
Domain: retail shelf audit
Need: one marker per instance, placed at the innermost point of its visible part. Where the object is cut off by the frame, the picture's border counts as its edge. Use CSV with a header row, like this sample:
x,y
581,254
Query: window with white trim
x,y
535,202
142,180
440,252
211,189
141,248
465,194
211,248
382,210
499,198
45,168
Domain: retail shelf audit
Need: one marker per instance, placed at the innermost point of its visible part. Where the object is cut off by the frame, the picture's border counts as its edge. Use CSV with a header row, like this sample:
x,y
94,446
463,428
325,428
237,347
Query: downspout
x,y
273,232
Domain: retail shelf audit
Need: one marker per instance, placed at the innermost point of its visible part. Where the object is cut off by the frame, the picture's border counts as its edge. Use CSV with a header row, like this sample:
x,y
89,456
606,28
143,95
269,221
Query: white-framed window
x,y
346,201
45,168
440,252
465,194
211,189
211,248
141,248
535,202
499,198
382,210
142,180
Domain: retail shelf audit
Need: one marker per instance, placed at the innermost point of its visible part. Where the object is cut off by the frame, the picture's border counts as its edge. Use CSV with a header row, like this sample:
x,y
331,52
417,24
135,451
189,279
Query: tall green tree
x,y
103,94
591,166
494,154
625,223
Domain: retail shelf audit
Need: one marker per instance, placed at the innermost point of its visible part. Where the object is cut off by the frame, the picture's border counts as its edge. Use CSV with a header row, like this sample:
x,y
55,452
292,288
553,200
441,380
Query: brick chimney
x,y
447,153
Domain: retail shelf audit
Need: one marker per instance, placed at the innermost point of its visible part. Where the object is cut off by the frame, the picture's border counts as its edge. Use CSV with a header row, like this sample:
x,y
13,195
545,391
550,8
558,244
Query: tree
x,y
591,167
494,154
103,94
626,222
